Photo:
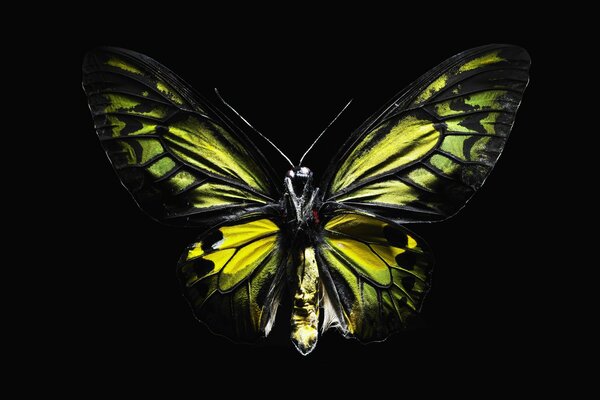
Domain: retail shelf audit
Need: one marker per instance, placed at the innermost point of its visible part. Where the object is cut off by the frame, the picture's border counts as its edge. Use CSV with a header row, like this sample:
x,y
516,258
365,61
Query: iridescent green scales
x,y
452,132
177,162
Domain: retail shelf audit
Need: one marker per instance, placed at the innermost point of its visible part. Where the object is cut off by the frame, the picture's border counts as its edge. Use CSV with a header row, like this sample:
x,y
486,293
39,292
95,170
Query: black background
x,y
484,309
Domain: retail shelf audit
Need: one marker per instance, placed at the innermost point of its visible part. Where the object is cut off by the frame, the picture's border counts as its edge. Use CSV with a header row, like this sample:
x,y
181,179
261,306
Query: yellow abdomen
x,y
305,312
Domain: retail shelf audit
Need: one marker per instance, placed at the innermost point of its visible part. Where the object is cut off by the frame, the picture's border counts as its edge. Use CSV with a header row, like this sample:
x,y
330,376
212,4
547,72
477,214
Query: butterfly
x,y
336,248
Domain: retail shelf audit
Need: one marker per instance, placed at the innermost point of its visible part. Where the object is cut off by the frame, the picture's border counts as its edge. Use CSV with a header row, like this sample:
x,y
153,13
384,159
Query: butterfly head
x,y
301,180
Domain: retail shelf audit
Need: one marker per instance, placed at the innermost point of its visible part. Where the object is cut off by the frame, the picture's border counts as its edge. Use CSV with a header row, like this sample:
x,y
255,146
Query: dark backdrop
x,y
483,309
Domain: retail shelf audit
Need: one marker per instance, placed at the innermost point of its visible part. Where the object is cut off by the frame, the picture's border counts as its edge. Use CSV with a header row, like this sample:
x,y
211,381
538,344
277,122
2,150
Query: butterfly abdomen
x,y
305,311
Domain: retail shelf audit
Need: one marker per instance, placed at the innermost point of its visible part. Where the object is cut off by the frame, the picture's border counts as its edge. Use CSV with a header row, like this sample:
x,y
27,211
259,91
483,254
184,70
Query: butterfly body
x,y
338,245
301,198
301,204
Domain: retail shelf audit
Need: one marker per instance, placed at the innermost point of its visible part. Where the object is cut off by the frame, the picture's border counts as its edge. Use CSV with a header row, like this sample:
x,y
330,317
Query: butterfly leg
x,y
305,312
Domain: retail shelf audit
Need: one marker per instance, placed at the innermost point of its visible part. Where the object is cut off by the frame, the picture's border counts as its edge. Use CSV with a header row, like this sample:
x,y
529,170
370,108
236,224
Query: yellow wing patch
x,y
121,103
244,262
389,147
159,84
209,147
379,270
228,276
368,228
123,65
384,192
217,195
240,247
170,93
487,59
445,80
161,167
237,235
367,262
433,88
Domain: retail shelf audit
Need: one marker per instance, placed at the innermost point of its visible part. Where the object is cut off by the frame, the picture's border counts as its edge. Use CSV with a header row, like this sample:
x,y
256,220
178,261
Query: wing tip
x,y
91,57
515,52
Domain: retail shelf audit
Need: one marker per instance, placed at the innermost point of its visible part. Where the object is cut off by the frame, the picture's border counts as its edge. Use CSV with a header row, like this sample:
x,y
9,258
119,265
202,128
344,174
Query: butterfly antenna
x,y
324,130
253,128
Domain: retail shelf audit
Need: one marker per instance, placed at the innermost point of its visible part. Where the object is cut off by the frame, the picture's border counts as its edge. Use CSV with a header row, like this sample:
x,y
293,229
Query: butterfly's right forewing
x,y
232,276
182,162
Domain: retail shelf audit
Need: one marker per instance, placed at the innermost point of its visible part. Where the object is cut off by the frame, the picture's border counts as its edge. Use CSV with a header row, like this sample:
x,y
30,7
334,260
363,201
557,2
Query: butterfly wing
x,y
377,276
231,275
181,159
419,159
185,163
430,149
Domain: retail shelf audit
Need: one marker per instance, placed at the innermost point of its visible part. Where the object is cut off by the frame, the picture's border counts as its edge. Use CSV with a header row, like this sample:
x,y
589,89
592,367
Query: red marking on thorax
x,y
316,217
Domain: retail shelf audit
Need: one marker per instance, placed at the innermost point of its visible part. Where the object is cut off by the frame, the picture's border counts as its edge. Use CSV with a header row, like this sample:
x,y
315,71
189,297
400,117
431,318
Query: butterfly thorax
x,y
301,199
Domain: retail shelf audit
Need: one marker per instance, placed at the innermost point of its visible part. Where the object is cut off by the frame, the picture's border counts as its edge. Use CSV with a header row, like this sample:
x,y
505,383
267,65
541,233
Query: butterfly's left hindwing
x,y
377,273
182,162
230,277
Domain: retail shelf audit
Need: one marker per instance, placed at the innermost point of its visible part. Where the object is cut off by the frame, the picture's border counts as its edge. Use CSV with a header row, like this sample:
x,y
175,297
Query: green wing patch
x,y
433,148
387,148
229,278
179,163
379,272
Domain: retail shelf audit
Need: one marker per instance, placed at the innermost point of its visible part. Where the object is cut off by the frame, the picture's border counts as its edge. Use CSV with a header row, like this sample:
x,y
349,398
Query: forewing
x,y
428,151
182,162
